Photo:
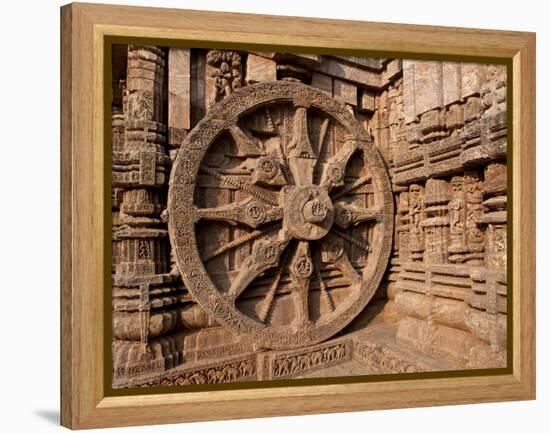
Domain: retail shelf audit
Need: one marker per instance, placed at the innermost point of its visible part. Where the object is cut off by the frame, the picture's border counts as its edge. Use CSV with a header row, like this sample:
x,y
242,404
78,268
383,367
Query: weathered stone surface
x,y
471,84
393,69
322,82
307,60
452,83
448,312
281,216
179,90
443,342
366,62
360,76
409,100
260,69
366,101
427,84
345,92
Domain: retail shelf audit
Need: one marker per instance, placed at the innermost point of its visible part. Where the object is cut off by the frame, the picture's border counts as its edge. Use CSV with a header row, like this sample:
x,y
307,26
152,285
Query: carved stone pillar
x,y
383,118
465,212
117,139
118,129
436,224
416,215
140,167
402,226
474,213
495,215
489,283
457,219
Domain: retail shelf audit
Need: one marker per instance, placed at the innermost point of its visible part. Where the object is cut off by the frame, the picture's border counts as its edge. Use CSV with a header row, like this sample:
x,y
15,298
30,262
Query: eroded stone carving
x,y
295,364
227,71
232,371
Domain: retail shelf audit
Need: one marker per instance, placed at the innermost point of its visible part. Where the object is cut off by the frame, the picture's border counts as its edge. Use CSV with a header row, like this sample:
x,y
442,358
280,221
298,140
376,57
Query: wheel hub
x,y
308,211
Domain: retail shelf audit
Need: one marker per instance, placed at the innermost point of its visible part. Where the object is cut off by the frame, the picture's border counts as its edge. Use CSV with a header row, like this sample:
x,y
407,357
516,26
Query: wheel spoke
x,y
246,143
301,158
250,212
322,135
255,191
332,251
270,295
301,268
359,243
233,244
359,182
325,296
334,170
346,214
266,253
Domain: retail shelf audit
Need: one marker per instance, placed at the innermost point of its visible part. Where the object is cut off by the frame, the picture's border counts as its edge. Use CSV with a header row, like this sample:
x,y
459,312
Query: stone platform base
x,y
368,346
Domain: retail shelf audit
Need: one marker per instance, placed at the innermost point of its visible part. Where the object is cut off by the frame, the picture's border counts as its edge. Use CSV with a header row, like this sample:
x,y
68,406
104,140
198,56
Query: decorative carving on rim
x,y
300,229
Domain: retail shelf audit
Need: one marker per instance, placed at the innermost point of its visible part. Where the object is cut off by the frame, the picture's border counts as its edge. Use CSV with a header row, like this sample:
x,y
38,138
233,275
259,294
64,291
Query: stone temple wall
x,y
441,129
449,175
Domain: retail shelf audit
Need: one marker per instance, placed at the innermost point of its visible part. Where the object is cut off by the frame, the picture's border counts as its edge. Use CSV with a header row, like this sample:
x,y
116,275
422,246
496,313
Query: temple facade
x,y
282,216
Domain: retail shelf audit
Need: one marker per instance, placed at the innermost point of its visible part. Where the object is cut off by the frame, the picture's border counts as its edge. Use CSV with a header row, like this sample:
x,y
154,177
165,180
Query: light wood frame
x,y
84,403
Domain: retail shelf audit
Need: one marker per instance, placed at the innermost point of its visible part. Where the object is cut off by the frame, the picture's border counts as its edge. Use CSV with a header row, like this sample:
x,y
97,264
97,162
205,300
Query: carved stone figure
x,y
227,72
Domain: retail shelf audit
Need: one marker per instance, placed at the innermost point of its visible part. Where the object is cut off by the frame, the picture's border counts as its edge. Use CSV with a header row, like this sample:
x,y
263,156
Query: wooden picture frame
x,y
85,400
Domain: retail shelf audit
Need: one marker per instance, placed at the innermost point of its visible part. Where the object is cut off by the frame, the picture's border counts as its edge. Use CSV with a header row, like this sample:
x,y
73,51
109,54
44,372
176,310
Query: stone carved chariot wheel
x,y
280,214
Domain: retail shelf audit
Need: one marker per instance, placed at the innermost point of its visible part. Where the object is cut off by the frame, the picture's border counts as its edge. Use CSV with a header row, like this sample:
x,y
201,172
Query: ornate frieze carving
x,y
222,372
302,362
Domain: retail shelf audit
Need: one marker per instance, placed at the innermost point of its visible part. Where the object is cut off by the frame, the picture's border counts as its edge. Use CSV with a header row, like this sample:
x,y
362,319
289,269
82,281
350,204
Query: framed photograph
x,y
265,215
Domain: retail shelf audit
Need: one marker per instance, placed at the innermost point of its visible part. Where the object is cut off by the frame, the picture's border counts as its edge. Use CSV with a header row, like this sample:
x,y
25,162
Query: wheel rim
x,y
297,214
